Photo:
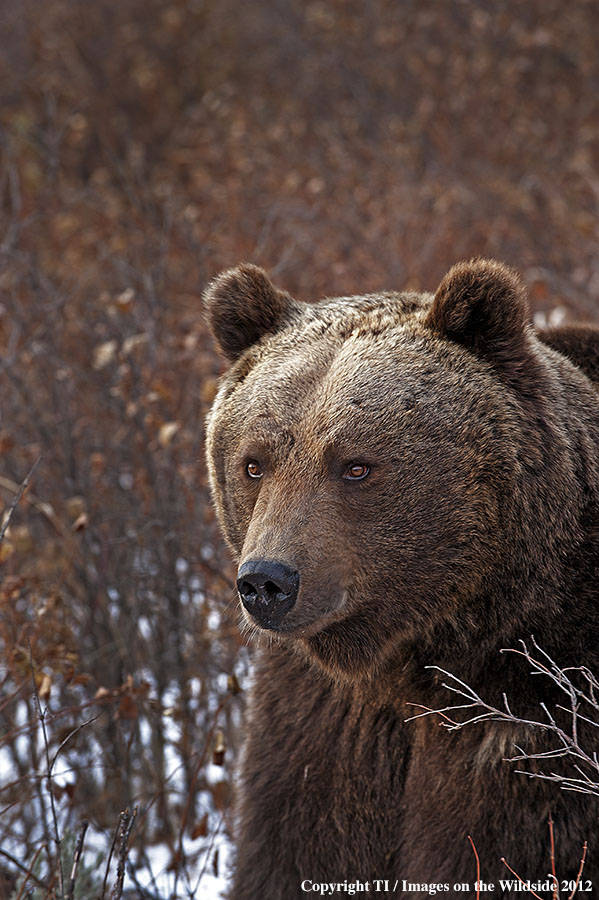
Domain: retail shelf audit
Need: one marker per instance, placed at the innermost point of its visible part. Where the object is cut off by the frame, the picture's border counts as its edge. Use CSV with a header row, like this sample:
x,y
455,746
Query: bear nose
x,y
268,590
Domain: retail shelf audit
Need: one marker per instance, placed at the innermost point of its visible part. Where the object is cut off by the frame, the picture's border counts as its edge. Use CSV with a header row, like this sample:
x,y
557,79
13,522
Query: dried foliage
x,y
144,145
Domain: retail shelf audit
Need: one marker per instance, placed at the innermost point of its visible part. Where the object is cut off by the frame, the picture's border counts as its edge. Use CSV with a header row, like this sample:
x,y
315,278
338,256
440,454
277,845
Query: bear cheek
x,y
435,541
234,510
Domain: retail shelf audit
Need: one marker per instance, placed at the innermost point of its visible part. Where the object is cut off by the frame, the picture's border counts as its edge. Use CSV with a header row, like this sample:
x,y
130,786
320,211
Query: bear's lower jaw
x,y
293,630
337,649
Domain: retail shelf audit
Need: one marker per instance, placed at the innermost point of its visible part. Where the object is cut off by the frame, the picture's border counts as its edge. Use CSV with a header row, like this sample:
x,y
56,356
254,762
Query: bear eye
x,y
356,472
253,469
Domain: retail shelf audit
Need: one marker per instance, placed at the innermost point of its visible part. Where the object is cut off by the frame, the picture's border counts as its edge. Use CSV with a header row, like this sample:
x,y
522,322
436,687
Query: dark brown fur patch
x,y
579,343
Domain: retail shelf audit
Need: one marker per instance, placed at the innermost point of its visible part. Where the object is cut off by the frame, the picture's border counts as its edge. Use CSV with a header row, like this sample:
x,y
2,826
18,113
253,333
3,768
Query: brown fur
x,y
579,343
477,526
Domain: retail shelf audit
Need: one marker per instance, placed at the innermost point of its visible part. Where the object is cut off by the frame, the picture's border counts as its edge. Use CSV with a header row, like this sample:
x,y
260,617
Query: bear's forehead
x,y
348,367
341,383
352,392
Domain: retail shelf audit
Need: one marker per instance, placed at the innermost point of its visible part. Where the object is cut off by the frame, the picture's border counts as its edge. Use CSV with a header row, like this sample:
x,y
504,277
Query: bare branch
x,y
583,706
17,499
42,719
76,858
126,822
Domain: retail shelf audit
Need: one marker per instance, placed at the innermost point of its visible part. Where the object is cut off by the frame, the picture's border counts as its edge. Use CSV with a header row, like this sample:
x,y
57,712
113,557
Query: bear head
x,y
380,463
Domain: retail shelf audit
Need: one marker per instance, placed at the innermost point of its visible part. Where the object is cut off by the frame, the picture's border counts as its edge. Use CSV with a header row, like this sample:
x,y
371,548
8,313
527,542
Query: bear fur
x,y
474,526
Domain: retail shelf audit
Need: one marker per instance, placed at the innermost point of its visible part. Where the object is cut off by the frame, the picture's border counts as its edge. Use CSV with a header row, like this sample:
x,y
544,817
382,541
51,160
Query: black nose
x,y
267,589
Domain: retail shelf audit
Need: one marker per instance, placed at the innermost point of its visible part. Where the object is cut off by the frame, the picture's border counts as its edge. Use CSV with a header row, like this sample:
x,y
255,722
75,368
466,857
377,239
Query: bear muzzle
x,y
268,590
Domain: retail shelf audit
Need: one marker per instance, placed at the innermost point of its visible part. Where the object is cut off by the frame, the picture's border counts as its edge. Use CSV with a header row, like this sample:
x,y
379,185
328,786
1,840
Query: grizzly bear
x,y
406,481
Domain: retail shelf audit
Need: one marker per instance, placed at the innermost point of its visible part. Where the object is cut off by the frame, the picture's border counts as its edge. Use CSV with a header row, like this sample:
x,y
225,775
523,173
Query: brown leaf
x,y
80,523
127,709
221,794
21,538
218,753
233,685
167,432
97,464
6,550
134,344
125,300
104,354
175,862
101,693
201,829
74,507
45,687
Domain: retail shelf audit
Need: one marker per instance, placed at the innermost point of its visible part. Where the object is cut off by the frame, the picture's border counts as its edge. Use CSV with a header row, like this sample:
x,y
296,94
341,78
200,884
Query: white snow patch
x,y
213,620
181,566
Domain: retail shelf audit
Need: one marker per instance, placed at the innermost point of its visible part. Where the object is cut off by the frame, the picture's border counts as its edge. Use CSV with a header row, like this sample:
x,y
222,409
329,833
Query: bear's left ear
x,y
242,306
482,305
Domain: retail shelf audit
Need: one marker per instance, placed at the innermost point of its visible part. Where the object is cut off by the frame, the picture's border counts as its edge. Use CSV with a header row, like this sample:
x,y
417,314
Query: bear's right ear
x,y
243,305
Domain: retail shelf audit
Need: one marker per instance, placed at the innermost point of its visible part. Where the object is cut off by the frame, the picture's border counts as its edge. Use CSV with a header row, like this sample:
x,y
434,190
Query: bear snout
x,y
268,590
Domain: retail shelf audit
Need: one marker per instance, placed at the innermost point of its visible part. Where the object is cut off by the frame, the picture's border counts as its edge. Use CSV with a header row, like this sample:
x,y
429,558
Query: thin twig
x,y
520,879
76,858
49,764
29,874
71,734
190,791
477,868
552,851
21,867
109,860
17,499
577,882
127,820
209,851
